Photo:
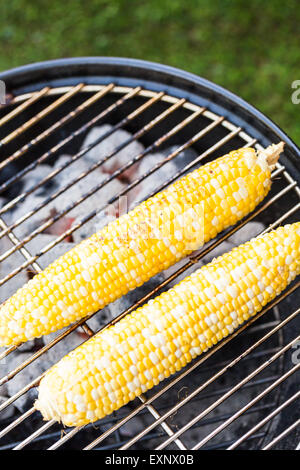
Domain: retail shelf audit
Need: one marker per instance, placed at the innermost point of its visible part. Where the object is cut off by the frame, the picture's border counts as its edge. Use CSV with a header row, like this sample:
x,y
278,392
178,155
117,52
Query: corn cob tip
x,y
271,154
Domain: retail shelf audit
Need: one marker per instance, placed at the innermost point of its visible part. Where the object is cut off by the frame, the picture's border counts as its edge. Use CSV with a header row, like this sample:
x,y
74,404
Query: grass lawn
x,y
251,48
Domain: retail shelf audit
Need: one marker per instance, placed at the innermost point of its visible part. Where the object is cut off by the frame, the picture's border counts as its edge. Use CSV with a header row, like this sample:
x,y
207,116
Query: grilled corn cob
x,y
138,245
161,337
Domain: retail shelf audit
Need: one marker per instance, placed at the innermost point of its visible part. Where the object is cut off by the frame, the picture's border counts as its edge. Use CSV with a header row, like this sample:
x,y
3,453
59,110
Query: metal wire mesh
x,y
170,418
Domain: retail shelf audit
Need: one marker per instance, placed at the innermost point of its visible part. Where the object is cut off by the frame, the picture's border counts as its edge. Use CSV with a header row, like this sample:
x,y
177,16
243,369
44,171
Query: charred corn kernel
x,y
167,350
133,248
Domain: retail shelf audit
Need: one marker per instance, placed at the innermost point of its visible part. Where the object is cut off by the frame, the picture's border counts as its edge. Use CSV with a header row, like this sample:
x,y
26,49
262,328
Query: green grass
x,y
251,48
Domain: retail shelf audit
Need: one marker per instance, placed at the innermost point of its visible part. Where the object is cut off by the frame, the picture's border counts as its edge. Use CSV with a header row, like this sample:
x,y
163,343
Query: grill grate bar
x,y
16,422
33,99
207,356
39,353
55,434
249,357
283,434
75,430
68,139
103,436
224,444
37,269
7,351
24,252
65,438
164,425
146,297
71,115
224,416
168,280
34,435
38,117
197,160
252,402
71,230
146,404
83,151
13,398
96,188
248,385
265,420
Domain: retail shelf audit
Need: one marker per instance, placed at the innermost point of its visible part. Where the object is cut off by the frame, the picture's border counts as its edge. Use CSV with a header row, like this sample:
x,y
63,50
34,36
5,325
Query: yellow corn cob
x,y
161,337
138,245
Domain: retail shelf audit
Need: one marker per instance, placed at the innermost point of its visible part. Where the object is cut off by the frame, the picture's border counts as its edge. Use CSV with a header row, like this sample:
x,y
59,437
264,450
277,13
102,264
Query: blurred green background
x,y
250,47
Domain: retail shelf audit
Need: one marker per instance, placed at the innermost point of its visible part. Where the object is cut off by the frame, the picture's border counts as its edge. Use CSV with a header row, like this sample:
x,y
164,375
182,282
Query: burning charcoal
x,y
183,158
250,230
65,345
81,165
73,194
7,412
37,367
35,176
109,145
90,227
3,371
99,199
60,225
88,183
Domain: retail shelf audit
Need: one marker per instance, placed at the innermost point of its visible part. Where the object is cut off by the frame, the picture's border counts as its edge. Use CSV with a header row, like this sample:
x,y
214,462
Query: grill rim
x,y
149,75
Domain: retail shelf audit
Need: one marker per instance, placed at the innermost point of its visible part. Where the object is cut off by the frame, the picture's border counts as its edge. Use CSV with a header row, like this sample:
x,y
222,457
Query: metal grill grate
x,y
172,419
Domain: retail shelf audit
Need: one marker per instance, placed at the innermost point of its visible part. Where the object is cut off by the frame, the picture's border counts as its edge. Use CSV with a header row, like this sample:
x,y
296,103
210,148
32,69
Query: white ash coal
x,y
99,201
108,146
